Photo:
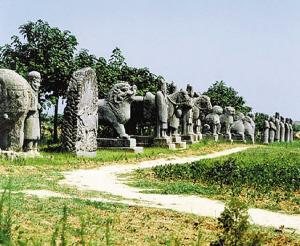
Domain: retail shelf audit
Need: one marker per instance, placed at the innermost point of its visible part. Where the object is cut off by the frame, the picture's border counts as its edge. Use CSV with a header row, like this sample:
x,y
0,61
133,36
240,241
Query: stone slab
x,y
86,154
143,141
116,142
136,150
190,139
164,142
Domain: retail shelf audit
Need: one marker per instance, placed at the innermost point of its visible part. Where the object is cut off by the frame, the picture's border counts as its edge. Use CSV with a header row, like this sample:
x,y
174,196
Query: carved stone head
x,y
34,79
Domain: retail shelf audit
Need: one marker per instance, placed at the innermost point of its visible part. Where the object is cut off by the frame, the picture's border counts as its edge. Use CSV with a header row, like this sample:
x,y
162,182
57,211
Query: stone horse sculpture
x,y
244,126
226,120
202,106
16,97
115,109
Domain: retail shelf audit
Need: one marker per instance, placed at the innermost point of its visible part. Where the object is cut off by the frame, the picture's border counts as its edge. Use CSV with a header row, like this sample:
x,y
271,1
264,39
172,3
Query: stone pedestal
x,y
119,144
190,139
143,141
162,142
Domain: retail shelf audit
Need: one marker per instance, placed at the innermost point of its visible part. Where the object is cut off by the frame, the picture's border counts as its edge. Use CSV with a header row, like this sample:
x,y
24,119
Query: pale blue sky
x,y
254,46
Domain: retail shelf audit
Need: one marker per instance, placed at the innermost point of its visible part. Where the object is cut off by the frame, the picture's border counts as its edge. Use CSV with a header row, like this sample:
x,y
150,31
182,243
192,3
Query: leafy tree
x,y
222,95
45,49
84,59
260,121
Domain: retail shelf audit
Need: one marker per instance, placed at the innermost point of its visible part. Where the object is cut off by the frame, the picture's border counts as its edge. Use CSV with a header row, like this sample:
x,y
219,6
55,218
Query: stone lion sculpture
x,y
115,109
226,120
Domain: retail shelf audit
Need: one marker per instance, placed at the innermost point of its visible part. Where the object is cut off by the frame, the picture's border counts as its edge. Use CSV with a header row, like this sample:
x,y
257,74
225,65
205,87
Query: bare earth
x,y
106,179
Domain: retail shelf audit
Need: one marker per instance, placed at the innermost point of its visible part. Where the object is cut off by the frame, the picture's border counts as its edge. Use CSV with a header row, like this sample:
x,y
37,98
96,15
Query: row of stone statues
x,y
173,119
278,129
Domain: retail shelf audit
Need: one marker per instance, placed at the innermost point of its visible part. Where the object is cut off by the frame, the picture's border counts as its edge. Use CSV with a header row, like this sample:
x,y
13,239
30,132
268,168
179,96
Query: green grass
x,y
39,221
265,177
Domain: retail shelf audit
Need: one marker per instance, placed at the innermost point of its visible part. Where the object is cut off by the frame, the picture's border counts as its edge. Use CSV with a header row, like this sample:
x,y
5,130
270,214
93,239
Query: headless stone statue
x,y
277,123
272,130
282,129
32,121
266,131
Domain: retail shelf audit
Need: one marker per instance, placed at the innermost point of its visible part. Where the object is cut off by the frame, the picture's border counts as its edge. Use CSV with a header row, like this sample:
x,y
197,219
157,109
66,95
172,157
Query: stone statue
x,y
202,106
282,129
238,126
79,134
277,123
272,130
226,120
187,122
17,100
162,111
292,131
213,120
266,130
249,124
32,122
115,109
287,130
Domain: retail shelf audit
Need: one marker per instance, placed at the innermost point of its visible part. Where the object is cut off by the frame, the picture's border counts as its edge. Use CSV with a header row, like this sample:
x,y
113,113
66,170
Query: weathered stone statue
x,y
80,126
162,111
277,123
292,131
238,126
115,109
213,120
226,120
32,122
202,106
266,130
249,124
272,130
187,119
287,131
17,100
282,129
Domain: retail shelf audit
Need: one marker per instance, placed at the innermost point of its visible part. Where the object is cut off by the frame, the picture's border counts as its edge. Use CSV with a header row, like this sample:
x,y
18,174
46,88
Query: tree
x,y
222,95
47,50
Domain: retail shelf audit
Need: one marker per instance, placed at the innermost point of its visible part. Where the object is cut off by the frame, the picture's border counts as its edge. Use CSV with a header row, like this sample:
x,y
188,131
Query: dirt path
x,y
106,179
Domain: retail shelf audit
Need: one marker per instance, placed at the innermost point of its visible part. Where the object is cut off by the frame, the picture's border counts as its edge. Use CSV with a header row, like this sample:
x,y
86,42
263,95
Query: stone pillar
x,y
81,114
272,130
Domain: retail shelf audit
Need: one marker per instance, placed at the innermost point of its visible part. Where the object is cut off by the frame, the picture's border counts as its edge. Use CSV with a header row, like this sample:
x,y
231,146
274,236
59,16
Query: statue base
x,y
119,144
190,139
86,154
162,142
143,141
8,154
179,144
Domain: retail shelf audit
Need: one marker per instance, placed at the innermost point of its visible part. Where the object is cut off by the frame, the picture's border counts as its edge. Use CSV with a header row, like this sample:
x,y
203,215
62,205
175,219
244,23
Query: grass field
x,y
265,177
28,220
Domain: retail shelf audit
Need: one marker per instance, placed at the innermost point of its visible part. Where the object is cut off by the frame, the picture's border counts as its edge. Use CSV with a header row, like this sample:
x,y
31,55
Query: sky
x,y
253,46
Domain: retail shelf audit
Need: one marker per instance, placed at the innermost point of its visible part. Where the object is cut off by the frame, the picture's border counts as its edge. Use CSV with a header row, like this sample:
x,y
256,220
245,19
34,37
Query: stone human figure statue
x,y
266,130
162,111
175,118
32,121
287,130
292,130
282,129
272,130
188,117
277,123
